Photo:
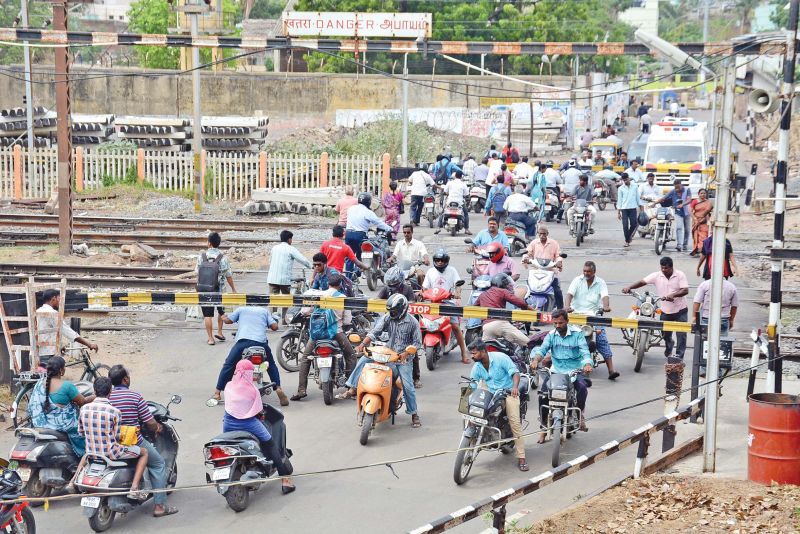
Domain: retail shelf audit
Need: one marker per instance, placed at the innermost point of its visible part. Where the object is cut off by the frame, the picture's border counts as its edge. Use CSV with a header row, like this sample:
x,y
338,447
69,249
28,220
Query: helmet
x,y
495,251
365,199
643,219
503,281
393,277
397,306
441,260
549,162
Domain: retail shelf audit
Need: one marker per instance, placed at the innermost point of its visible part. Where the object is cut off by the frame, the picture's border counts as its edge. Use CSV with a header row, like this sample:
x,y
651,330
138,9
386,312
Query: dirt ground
x,y
664,503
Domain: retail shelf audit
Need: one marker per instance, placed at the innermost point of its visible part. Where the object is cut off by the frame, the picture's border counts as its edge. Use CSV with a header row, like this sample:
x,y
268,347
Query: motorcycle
x,y
515,231
559,414
327,364
45,458
551,206
579,225
521,356
477,197
374,252
15,517
380,391
233,457
601,194
643,339
474,325
480,262
454,218
590,333
541,276
102,475
258,357
485,422
429,207
663,229
437,331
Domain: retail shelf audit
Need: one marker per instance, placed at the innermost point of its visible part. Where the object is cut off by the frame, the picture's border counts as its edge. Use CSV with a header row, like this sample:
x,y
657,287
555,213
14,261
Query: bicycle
x,y
26,381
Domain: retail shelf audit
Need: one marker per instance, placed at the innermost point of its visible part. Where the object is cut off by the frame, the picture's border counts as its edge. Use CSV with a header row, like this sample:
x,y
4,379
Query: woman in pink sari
x,y
701,213
391,202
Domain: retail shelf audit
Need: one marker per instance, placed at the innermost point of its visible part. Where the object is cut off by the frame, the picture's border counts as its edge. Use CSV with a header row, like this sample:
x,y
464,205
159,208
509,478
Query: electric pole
x,y
197,144
63,138
405,110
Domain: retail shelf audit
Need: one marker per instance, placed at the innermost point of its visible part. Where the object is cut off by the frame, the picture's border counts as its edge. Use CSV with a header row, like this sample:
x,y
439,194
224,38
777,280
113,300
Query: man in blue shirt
x,y
444,167
568,351
359,218
490,235
628,207
253,321
680,199
499,372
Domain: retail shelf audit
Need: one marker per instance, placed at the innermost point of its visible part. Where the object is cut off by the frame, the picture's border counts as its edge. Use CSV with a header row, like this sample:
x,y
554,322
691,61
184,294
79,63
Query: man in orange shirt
x,y
337,251
544,247
345,203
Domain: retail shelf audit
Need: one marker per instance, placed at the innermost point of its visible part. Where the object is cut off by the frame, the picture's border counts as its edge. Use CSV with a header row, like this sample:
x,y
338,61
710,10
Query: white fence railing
x,y
225,177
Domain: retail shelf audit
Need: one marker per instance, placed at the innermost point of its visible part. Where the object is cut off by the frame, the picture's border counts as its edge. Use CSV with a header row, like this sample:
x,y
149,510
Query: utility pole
x,y
712,130
28,81
62,134
405,110
573,102
775,365
718,261
193,11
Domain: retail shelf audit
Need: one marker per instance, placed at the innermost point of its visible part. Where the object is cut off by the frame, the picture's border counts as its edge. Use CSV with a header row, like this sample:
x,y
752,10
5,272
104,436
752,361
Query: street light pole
x,y
197,144
717,263
405,110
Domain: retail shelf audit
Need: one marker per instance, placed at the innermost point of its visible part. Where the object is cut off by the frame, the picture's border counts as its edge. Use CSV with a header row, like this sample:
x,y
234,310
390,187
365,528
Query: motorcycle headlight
x,y
587,330
661,215
432,325
559,394
646,308
477,411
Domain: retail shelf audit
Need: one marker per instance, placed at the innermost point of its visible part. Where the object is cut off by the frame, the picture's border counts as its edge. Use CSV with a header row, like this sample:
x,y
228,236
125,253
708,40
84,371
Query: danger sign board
x,y
333,24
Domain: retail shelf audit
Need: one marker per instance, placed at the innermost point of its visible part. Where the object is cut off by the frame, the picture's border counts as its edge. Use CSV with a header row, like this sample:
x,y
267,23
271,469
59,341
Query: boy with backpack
x,y
213,270
326,324
496,200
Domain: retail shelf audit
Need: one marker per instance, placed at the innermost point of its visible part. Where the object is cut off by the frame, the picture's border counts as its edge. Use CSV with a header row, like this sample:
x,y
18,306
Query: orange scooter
x,y
376,395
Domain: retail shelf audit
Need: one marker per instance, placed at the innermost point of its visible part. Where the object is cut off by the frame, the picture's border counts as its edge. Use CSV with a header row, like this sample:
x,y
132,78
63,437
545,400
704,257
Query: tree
x,y
153,16
38,12
744,9
267,9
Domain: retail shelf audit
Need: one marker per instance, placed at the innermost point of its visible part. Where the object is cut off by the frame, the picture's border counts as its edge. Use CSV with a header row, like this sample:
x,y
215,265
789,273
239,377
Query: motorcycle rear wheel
x,y
453,231
289,350
601,204
578,233
476,208
641,348
555,458
327,392
430,221
35,488
660,242
104,518
366,427
430,358
464,460
372,279
238,497
26,526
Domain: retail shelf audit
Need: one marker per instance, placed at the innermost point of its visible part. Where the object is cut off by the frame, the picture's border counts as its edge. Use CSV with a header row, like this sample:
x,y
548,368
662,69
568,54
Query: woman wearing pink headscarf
x,y
391,202
243,412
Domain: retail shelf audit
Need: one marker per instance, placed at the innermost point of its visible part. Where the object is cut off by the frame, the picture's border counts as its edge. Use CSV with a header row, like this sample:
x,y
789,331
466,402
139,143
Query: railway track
x,y
102,276
137,223
157,241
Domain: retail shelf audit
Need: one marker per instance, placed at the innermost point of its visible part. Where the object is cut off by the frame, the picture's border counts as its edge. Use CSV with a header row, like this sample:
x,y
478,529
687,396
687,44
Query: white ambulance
x,y
677,147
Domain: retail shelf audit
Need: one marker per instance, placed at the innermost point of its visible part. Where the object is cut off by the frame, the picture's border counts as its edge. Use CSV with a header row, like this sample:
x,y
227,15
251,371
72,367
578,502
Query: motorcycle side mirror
x,y
175,399
354,338
563,255
468,241
411,349
469,270
460,283
212,402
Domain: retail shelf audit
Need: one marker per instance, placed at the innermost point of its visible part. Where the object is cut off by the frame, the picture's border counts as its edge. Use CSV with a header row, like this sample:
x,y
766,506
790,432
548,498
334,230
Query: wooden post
x,y
79,169
387,160
140,165
203,173
17,172
262,170
323,169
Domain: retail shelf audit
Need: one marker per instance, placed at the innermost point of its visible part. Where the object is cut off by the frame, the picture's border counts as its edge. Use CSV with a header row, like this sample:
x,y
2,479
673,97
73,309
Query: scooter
x,y
327,364
558,408
16,516
374,252
643,339
515,231
45,458
601,194
485,421
477,197
454,218
429,207
474,325
437,331
541,295
234,457
480,262
380,390
102,475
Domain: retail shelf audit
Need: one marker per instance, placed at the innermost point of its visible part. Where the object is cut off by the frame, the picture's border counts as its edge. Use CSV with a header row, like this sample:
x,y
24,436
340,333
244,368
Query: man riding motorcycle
x,y
499,372
403,330
443,275
456,191
497,296
568,351
583,192
396,285
500,262
410,250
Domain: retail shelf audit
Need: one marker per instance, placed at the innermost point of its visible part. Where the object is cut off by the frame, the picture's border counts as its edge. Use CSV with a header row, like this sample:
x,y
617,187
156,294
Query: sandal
x,y
523,465
168,510
297,396
415,422
349,394
211,342
220,337
137,495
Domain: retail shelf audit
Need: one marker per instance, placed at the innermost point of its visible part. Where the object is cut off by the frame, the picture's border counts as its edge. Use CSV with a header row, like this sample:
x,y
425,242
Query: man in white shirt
x,y
649,191
673,108
456,191
645,121
445,276
571,177
420,181
552,178
47,329
524,171
517,205
494,171
409,251
586,159
636,174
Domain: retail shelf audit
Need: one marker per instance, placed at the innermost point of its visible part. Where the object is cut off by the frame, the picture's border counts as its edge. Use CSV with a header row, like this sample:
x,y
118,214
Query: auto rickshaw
x,y
611,150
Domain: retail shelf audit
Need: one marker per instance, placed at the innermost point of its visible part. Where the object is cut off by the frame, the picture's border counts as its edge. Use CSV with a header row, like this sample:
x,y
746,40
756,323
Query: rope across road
x,y
77,301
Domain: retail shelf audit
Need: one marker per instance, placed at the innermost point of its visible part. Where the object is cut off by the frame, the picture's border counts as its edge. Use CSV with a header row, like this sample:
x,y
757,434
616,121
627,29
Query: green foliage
x,y
780,16
116,146
131,178
38,12
488,20
267,9
153,16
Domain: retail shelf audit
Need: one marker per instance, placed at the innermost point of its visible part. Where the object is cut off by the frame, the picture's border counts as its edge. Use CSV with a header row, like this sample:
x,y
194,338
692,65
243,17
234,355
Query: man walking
x,y
420,181
628,207
702,305
672,286
213,270
281,260
587,295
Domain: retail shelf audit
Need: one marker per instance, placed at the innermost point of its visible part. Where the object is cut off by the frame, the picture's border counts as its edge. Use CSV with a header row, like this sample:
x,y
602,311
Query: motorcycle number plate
x,y
366,255
223,473
24,473
429,204
476,420
452,222
324,362
90,502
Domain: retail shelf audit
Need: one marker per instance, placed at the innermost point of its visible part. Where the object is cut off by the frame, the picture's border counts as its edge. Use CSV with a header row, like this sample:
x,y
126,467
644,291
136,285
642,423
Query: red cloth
x,y
336,250
495,297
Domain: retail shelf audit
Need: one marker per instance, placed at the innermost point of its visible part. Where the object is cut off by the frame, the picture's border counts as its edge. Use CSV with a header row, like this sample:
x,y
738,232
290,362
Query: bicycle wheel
x,y
20,416
95,372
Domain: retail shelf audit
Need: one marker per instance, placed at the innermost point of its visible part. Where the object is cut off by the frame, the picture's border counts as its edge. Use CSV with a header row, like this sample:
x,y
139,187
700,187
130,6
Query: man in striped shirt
x,y
134,412
99,423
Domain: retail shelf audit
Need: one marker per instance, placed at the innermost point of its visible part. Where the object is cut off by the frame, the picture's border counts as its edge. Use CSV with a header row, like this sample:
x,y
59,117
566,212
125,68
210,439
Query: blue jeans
x,y
683,227
353,239
724,325
269,448
157,469
527,220
235,355
416,208
406,372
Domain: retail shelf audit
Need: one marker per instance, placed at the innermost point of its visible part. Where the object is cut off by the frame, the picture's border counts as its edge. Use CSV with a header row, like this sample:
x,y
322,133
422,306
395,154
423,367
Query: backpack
x,y
208,274
322,324
441,172
499,198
